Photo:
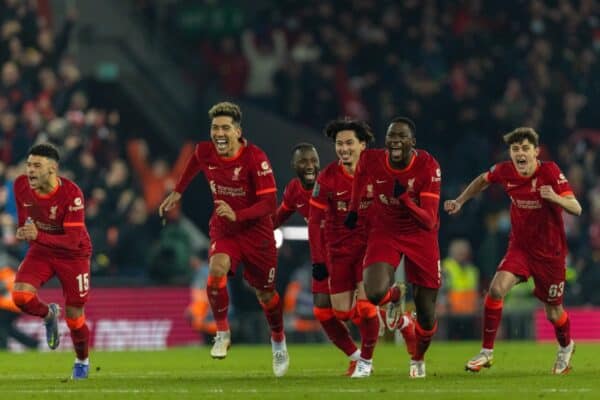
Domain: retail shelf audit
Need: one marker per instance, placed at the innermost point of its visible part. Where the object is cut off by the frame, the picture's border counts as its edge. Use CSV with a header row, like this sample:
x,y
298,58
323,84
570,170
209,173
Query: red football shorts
x,y
258,253
421,251
345,268
320,286
73,274
548,275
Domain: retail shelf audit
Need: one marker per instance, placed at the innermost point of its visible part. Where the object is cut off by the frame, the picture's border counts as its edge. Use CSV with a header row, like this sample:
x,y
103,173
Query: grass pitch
x,y
521,371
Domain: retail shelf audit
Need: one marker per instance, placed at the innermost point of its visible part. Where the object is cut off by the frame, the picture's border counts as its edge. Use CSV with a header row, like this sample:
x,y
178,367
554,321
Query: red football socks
x,y
273,310
423,340
335,330
30,303
562,330
218,298
492,314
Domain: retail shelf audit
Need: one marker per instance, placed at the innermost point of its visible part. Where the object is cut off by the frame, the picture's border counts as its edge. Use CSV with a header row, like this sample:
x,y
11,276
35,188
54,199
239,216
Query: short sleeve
x,y
493,174
263,173
432,177
75,212
560,184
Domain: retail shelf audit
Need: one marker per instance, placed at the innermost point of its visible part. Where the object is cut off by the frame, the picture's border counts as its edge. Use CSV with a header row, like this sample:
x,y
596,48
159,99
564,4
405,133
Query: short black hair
x,y
520,134
363,131
303,146
405,120
47,150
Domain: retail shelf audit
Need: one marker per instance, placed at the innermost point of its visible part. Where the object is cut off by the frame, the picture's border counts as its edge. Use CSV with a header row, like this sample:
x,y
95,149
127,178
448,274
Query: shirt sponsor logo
x,y
53,212
438,172
562,179
266,169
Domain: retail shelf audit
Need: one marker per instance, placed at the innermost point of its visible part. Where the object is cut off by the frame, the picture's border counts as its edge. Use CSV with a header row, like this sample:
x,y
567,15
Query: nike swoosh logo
x,y
511,185
27,204
83,294
341,193
212,167
378,181
299,205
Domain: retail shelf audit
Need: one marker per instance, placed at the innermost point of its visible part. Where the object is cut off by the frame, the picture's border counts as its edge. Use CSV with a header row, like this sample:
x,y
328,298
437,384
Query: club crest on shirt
x,y
534,184
53,212
342,206
410,185
213,186
369,191
236,173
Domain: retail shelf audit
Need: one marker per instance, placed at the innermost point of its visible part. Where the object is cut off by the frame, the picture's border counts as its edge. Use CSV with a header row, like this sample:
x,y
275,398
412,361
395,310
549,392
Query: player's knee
x,y
216,282
496,292
342,315
375,295
75,323
20,298
323,313
365,309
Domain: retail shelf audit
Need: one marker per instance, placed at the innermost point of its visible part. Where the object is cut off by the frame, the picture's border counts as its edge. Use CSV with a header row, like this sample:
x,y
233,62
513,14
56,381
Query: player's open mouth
x,y
396,152
222,144
309,176
521,162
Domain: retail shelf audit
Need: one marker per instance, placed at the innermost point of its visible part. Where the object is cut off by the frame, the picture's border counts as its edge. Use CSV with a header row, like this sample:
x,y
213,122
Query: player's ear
x,y
537,152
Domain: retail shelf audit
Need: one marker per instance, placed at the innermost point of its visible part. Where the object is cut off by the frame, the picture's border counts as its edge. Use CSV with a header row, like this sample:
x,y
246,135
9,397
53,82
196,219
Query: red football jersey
x,y
237,180
295,198
332,194
421,180
59,217
536,224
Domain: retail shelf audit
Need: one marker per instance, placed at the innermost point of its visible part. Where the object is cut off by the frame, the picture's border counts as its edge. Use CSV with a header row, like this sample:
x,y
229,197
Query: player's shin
x,y
492,314
335,330
424,337
562,329
80,334
30,303
273,310
218,297
369,328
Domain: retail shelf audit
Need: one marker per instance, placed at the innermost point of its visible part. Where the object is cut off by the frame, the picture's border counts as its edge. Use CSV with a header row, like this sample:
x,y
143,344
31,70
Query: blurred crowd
x,y
44,97
466,71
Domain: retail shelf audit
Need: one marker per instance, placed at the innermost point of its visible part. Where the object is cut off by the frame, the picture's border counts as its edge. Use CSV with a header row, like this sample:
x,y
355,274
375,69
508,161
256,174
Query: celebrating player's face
x,y
399,142
39,171
524,157
348,147
225,135
306,164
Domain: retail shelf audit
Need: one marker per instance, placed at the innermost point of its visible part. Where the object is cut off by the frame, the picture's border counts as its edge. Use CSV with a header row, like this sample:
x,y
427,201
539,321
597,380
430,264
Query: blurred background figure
x,y
9,313
461,283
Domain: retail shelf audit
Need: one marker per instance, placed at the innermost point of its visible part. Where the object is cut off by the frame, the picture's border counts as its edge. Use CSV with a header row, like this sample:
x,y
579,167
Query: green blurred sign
x,y
196,19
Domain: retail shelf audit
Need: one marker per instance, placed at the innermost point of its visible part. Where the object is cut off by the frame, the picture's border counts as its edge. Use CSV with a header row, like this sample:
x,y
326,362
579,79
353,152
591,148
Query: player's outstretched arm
x,y
476,186
168,203
569,203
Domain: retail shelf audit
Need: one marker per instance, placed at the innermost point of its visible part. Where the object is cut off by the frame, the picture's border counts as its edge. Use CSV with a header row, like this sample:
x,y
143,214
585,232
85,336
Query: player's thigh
x,y
260,262
34,271
549,278
424,273
75,279
231,248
